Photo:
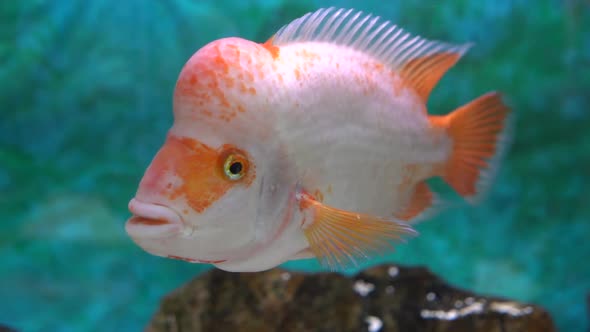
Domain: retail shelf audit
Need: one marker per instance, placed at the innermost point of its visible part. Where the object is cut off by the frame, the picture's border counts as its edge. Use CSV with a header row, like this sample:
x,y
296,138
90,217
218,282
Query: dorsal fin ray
x,y
420,62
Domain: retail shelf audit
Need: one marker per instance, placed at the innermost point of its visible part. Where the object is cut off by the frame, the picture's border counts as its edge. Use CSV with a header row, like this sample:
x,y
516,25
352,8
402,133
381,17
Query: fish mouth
x,y
151,220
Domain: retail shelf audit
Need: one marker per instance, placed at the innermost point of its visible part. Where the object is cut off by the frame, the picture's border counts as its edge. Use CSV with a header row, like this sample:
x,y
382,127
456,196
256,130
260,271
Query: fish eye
x,y
235,166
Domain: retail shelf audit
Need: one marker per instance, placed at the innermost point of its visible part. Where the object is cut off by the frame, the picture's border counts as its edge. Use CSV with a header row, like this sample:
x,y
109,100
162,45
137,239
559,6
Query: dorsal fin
x,y
422,73
421,62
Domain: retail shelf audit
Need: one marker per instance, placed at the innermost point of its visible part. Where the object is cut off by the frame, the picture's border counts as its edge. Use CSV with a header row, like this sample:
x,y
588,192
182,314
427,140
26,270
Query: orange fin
x,y
271,48
421,203
423,73
479,134
340,238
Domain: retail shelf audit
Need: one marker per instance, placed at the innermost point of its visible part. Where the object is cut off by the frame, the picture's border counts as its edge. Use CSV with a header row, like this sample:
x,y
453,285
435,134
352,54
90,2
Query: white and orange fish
x,y
316,143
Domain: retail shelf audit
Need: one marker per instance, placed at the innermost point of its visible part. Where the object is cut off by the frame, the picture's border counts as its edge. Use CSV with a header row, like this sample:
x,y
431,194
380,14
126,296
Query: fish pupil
x,y
235,168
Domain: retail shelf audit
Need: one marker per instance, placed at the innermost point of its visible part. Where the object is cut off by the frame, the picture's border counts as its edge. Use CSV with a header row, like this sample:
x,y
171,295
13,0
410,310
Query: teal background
x,y
85,101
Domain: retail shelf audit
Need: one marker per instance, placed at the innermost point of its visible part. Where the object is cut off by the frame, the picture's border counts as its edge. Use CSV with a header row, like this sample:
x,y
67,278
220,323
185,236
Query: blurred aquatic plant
x,y
284,13
85,95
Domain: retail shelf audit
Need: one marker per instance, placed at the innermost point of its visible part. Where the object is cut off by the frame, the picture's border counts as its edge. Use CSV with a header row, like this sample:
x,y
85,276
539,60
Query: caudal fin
x,y
479,133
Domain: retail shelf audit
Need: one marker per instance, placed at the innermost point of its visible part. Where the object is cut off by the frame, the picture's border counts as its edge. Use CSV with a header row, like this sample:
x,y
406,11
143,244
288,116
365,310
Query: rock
x,y
4,328
383,298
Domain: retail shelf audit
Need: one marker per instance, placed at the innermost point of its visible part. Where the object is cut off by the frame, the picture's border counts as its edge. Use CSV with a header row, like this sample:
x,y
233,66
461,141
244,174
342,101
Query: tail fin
x,y
479,133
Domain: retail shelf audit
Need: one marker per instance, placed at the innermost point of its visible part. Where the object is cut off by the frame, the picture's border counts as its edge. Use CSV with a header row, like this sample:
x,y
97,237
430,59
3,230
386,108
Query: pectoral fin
x,y
340,238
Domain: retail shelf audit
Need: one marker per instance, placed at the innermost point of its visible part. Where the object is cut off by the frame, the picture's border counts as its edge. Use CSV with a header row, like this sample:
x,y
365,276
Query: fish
x,y
316,143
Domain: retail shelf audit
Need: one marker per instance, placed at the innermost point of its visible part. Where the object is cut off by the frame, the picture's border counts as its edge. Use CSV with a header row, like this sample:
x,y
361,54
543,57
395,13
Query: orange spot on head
x,y
243,87
272,49
309,56
221,64
229,82
223,101
249,76
207,81
199,169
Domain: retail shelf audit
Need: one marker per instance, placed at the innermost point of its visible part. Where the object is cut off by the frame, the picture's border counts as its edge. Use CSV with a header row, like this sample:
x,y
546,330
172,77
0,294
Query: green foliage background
x,y
85,101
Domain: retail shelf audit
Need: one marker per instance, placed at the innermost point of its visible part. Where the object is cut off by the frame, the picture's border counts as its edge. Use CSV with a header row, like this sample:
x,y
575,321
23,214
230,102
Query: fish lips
x,y
152,220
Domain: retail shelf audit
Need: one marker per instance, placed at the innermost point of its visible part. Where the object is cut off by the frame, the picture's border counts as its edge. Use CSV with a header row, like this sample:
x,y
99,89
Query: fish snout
x,y
152,220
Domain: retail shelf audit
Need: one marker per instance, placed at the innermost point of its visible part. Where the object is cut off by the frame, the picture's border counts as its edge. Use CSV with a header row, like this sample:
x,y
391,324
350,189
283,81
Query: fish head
x,y
218,188
196,201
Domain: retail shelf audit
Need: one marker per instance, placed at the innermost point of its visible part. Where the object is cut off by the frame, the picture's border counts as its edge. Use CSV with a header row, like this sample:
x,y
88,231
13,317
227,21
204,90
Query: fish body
x,y
365,126
316,143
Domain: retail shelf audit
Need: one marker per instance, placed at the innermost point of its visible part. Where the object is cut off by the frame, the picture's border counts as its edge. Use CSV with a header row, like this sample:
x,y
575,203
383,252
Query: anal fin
x,y
421,202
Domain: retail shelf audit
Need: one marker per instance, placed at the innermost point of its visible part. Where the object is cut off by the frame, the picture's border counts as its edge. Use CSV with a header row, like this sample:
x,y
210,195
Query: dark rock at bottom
x,y
4,328
383,298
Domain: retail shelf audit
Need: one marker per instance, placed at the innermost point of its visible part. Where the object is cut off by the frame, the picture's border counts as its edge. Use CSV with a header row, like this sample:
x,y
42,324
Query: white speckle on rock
x,y
285,276
363,288
430,297
393,271
452,314
469,300
510,308
439,314
375,324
